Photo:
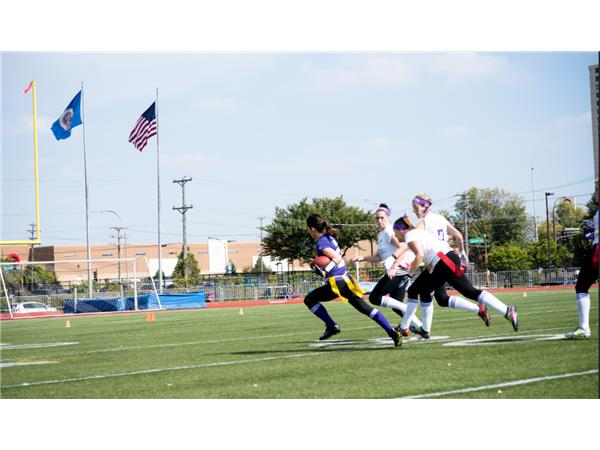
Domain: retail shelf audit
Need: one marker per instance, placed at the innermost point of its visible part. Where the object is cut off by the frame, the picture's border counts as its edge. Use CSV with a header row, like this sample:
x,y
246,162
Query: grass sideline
x,y
271,352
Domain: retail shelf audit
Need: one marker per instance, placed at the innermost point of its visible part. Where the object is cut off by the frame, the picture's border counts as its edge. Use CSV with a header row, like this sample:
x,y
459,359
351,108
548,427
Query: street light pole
x,y
548,194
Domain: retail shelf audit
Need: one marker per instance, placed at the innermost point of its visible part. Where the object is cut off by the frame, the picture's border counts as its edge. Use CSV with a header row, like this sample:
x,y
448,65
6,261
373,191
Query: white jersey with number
x,y
430,245
437,225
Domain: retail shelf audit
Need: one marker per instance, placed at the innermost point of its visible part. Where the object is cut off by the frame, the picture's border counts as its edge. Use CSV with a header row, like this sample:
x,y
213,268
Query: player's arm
x,y
373,258
332,254
417,249
460,242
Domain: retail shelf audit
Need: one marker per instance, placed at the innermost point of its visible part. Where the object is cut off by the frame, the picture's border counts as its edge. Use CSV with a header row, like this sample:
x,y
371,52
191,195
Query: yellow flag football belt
x,y
350,282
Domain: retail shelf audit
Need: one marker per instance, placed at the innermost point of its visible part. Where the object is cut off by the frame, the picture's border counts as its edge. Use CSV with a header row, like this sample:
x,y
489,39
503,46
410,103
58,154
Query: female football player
x,y
339,283
588,274
442,266
390,289
438,226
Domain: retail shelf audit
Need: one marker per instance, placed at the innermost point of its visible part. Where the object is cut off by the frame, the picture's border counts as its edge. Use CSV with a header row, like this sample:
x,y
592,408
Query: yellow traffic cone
x,y
524,294
241,311
68,324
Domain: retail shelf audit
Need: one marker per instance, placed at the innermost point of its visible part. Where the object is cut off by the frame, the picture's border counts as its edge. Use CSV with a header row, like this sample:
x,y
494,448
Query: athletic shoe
x,y
579,333
397,338
330,331
419,331
511,315
484,315
401,331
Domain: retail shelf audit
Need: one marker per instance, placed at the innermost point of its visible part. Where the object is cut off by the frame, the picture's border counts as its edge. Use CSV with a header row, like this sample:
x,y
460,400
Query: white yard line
x,y
501,385
167,369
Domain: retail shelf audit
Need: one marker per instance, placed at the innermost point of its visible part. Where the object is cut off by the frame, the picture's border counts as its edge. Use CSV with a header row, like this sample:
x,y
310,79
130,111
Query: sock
x,y
427,314
381,321
492,302
411,308
400,308
462,304
320,311
583,308
395,305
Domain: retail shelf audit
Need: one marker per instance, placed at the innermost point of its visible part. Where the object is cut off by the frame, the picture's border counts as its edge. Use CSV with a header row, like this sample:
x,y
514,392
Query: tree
x,y
494,212
560,256
193,271
287,236
509,257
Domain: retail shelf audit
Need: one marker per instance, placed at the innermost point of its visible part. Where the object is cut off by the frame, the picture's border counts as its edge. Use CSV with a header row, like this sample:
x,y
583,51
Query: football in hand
x,y
320,261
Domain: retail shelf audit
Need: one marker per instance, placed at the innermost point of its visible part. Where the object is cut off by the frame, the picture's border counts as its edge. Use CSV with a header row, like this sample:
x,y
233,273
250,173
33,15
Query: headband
x,y
422,202
400,226
388,211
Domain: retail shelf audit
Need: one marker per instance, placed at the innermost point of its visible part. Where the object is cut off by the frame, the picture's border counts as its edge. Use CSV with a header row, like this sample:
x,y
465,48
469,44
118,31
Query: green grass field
x,y
273,352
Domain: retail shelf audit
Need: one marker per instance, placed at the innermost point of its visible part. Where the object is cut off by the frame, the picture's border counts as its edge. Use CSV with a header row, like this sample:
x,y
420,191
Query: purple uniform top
x,y
332,269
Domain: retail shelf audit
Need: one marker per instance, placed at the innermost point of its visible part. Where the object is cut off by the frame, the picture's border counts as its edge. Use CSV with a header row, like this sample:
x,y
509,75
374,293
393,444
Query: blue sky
x,y
262,130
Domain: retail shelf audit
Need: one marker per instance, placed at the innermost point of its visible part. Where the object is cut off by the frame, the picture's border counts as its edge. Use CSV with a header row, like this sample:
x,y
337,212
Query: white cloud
x,y
406,69
378,143
576,120
370,71
453,132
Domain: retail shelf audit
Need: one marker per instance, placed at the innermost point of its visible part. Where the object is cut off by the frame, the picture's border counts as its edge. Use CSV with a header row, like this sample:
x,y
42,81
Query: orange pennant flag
x,y
28,88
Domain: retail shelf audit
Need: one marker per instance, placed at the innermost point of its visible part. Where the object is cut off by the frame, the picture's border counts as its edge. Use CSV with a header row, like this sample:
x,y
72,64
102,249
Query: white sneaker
x,y
579,333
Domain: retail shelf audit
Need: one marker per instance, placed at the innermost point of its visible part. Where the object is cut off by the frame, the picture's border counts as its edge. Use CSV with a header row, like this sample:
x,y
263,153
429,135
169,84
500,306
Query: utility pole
x,y
118,248
262,268
535,232
32,233
182,209
548,194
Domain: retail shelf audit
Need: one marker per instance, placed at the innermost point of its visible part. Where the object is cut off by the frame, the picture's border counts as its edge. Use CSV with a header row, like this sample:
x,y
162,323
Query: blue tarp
x,y
149,301
87,305
179,301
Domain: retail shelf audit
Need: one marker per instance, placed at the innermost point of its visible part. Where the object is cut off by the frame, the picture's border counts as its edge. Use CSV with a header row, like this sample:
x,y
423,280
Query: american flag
x,y
144,128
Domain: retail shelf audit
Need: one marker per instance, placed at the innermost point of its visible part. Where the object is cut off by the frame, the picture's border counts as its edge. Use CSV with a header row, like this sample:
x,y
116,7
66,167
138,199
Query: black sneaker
x,y
397,338
330,331
420,331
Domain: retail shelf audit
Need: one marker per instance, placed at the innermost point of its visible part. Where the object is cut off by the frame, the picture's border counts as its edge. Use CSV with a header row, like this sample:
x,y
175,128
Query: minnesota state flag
x,y
69,119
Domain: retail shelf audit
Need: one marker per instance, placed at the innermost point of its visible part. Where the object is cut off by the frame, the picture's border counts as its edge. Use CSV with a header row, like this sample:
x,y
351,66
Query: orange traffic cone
x,y
68,324
241,311
149,317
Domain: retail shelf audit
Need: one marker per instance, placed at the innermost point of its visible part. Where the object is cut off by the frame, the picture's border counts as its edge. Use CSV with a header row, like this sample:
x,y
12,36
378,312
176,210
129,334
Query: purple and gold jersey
x,y
332,269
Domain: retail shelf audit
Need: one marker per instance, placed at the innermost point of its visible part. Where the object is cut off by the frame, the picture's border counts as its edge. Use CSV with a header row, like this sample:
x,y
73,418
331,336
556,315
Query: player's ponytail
x,y
317,222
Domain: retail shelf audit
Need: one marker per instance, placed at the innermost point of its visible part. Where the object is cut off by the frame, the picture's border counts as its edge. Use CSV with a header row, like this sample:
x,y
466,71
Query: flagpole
x,y
35,163
87,216
160,277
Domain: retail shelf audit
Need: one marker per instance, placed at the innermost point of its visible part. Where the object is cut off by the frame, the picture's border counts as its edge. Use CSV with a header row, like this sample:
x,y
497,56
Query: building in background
x,y
595,98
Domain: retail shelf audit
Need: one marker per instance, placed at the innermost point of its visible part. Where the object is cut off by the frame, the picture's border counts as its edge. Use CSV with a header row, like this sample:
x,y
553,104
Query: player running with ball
x,y
339,282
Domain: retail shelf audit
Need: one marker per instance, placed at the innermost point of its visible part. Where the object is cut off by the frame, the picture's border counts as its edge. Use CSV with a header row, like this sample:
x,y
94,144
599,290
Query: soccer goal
x,y
78,286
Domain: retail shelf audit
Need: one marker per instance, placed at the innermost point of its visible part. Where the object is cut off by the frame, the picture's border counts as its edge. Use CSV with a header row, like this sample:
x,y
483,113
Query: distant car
x,y
31,307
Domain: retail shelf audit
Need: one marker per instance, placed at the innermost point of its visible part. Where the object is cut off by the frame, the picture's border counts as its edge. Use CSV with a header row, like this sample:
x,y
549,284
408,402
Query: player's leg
x,y
364,308
398,294
455,302
587,275
312,301
464,286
